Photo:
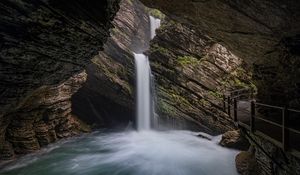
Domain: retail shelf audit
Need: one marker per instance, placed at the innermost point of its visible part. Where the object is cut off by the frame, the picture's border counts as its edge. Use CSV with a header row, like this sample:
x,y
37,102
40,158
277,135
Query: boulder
x,y
246,164
235,140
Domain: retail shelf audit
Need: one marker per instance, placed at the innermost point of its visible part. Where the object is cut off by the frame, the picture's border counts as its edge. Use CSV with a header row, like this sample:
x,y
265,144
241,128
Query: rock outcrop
x,y
44,117
42,45
262,32
193,72
234,139
246,164
108,94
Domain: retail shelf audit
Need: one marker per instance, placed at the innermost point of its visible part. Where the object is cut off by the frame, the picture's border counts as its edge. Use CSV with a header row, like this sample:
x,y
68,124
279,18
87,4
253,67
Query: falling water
x,y
145,152
154,24
144,103
143,73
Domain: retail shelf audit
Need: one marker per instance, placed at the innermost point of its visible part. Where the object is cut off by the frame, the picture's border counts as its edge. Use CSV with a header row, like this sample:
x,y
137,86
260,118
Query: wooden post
x,y
252,117
285,131
228,106
235,119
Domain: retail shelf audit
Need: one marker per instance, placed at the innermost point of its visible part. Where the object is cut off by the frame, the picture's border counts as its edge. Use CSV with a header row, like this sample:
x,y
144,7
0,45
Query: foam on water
x,y
132,153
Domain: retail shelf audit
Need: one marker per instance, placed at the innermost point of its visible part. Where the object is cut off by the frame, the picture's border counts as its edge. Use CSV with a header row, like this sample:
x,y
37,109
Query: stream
x,y
129,153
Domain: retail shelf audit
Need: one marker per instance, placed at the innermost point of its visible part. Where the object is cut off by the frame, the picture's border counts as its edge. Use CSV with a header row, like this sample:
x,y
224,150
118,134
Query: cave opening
x,y
149,87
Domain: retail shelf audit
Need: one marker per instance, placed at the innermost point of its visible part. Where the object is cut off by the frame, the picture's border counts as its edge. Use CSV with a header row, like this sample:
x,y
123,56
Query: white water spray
x,y
144,103
131,153
146,152
143,74
154,24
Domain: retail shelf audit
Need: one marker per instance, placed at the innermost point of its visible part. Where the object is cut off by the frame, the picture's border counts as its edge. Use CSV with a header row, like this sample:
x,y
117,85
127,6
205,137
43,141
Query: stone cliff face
x,y
262,32
42,118
43,44
193,72
108,94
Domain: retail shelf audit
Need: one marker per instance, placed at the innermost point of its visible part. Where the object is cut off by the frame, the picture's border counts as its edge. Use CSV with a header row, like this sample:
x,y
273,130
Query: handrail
x,y
231,100
270,106
294,110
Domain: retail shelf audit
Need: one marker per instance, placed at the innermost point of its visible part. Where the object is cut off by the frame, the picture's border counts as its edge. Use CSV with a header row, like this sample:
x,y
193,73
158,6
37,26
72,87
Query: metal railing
x,y
252,114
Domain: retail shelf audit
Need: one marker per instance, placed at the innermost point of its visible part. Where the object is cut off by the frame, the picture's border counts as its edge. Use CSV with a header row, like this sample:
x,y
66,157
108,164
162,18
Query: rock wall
x,y
281,163
192,73
108,94
42,118
42,45
264,33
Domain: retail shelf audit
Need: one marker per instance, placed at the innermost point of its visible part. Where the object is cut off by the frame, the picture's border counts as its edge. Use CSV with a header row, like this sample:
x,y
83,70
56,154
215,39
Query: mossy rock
x,y
187,60
156,13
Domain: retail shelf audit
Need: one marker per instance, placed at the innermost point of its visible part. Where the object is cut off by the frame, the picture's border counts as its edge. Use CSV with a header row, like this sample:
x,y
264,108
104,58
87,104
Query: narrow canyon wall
x,y
264,33
42,118
192,73
43,44
108,94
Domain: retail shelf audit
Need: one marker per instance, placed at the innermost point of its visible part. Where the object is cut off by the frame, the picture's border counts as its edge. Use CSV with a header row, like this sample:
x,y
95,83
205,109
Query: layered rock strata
x,y
43,118
264,33
42,45
193,72
107,97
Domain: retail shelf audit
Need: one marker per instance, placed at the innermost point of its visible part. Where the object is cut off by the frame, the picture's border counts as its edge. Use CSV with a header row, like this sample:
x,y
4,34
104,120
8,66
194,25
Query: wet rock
x,y
263,33
43,118
6,151
203,136
42,45
246,164
235,140
110,82
192,72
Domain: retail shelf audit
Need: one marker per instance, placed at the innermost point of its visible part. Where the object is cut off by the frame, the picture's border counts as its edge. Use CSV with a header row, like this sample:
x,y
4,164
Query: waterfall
x,y
145,109
154,24
143,79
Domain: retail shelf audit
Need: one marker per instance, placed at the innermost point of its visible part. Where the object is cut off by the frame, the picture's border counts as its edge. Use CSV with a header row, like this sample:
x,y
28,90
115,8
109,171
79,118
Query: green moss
x,y
174,95
216,94
166,108
156,13
204,102
178,98
187,60
239,83
157,48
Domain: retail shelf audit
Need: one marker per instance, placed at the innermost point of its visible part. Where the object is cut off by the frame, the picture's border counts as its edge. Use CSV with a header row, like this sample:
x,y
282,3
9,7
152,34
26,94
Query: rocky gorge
x,y
68,68
44,49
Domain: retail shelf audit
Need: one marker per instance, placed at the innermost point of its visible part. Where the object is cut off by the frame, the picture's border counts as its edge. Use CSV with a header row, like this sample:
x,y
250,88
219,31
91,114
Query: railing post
x,y
285,132
252,117
235,110
228,106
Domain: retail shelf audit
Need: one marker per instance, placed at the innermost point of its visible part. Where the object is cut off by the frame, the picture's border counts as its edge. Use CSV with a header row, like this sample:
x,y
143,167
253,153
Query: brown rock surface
x,y
44,117
262,32
246,164
192,72
235,140
42,45
111,75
